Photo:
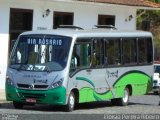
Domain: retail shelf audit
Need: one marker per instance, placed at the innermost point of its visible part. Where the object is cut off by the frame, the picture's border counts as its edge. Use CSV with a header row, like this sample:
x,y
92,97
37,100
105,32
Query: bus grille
x,y
33,95
27,86
155,81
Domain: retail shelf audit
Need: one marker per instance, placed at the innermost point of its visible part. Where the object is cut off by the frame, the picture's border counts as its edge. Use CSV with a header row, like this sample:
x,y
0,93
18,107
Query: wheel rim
x,y
126,96
71,101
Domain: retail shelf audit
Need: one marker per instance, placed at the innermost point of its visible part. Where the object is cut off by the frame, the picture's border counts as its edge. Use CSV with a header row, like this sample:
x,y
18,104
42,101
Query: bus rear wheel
x,y
124,100
18,105
71,102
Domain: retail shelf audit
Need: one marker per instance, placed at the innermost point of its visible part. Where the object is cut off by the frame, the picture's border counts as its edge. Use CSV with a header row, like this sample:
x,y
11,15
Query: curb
x,y
3,96
4,101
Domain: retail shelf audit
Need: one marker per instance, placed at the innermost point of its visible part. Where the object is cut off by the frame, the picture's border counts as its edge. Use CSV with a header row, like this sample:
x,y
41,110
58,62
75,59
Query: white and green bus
x,y
66,67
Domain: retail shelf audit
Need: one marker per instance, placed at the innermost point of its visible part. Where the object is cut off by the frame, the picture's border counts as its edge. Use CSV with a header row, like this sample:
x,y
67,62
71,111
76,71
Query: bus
x,y
71,66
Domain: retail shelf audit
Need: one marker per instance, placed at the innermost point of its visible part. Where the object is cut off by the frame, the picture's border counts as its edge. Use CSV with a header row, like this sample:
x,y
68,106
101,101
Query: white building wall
x,y
4,25
85,15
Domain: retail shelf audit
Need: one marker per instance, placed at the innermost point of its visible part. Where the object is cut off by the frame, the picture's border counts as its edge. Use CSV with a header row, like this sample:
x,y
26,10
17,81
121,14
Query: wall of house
x,y
85,15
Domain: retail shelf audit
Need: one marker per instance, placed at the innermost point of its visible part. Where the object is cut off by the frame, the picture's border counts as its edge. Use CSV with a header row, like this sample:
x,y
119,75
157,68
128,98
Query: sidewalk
x,y
2,96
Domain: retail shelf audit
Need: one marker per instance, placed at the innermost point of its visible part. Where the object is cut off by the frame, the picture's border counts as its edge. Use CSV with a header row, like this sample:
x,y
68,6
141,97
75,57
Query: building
x,y
18,16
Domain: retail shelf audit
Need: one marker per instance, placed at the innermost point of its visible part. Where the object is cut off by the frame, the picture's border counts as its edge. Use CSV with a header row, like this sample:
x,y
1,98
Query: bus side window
x,y
85,55
145,50
129,51
142,51
149,50
113,52
98,55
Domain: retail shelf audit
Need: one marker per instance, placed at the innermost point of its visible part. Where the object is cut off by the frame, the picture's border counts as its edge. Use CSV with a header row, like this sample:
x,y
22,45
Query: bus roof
x,y
91,33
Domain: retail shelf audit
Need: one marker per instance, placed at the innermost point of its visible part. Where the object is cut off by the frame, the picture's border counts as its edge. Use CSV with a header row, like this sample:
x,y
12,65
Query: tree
x,y
151,18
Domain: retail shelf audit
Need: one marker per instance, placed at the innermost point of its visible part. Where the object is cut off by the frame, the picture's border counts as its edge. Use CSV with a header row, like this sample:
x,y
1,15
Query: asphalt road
x,y
146,105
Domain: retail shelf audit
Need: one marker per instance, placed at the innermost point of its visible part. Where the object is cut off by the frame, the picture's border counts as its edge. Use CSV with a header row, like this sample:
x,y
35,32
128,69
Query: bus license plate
x,y
31,100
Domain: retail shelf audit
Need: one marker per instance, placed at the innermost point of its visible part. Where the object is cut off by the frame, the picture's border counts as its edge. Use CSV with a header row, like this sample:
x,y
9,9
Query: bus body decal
x,y
130,72
92,95
139,81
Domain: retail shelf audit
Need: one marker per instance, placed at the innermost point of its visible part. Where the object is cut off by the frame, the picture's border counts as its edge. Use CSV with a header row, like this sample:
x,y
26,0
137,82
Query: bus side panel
x,y
89,91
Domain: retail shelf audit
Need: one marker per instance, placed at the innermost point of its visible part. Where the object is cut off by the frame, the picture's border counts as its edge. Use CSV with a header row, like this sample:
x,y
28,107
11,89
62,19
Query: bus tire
x,y
155,92
114,101
122,101
71,102
18,105
125,99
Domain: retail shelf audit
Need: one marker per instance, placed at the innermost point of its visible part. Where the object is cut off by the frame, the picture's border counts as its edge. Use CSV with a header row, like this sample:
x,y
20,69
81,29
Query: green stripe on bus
x,y
88,94
86,79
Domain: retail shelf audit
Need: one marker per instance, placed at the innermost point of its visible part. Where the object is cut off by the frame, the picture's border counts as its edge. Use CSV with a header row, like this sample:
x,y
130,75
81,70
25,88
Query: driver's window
x,y
81,56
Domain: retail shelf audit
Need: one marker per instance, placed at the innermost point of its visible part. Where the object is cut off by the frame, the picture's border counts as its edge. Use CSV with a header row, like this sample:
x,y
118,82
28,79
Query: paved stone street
x,y
146,104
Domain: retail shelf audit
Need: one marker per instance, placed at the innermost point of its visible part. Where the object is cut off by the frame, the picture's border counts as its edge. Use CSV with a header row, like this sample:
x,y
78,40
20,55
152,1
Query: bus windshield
x,y
156,68
40,53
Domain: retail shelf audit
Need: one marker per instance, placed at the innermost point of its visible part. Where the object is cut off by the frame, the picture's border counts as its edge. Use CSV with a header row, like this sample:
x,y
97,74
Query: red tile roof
x,y
141,3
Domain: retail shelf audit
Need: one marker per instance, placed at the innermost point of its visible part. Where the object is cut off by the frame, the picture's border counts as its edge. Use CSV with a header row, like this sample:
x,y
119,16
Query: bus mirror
x,y
74,63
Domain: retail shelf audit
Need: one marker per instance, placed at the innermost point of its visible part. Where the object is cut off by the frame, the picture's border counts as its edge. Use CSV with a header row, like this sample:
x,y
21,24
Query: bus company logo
x,y
31,86
112,74
40,81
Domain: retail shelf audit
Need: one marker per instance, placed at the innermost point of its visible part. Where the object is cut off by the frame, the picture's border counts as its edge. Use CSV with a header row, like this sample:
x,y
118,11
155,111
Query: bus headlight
x,y
56,84
9,81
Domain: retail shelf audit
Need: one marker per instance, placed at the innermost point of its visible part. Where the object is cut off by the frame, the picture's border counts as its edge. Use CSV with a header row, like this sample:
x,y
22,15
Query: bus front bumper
x,y
56,96
156,89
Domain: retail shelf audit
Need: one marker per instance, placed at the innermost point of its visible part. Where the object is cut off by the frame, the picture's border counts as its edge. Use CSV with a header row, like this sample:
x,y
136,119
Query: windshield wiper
x,y
21,66
48,69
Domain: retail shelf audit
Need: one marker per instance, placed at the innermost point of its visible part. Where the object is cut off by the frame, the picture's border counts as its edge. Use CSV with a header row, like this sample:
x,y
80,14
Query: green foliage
x,y
157,1
154,17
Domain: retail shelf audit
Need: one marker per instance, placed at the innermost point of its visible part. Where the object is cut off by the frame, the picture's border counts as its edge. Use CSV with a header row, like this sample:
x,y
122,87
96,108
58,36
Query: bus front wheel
x,y
18,105
71,102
